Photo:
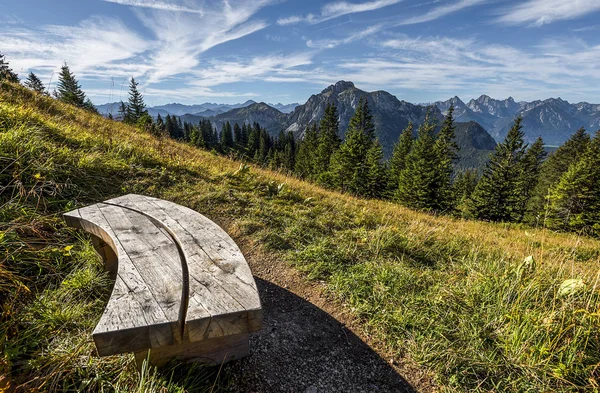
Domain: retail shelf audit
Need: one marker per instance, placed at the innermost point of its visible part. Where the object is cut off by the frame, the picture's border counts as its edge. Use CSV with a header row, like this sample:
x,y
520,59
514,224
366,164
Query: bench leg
x,y
210,352
107,254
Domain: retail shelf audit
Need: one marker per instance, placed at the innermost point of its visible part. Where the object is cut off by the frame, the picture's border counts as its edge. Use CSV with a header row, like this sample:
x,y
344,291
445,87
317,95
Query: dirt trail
x,y
309,342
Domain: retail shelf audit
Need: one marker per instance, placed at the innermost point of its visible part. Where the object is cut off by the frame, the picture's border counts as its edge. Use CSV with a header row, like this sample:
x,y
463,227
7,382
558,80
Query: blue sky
x,y
283,51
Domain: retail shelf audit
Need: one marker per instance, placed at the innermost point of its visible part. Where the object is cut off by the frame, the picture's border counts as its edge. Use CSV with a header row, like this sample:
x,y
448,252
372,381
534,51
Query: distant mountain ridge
x,y
554,119
206,109
480,123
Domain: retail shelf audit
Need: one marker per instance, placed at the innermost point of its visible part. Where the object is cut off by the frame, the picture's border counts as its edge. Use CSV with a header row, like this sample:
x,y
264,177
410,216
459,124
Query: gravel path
x,y
302,348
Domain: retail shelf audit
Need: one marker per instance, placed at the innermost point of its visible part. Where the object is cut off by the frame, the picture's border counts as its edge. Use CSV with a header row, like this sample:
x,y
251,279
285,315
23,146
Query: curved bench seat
x,y
182,286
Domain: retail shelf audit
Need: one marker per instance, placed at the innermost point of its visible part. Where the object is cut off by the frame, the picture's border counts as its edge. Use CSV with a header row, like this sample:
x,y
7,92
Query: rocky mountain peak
x,y
339,87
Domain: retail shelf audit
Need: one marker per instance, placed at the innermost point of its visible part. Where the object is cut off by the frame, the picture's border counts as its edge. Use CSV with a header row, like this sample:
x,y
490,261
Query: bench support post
x,y
212,352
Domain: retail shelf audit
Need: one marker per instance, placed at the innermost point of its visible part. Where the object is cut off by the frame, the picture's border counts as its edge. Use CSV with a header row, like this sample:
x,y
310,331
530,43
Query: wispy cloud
x,y
274,67
158,5
94,46
441,11
448,66
336,9
185,37
332,43
541,12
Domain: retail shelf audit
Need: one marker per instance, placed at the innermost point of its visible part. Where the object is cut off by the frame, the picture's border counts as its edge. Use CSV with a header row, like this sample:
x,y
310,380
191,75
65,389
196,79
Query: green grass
x,y
454,296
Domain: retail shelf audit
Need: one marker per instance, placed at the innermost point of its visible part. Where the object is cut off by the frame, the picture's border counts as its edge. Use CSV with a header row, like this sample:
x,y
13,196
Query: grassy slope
x,y
453,295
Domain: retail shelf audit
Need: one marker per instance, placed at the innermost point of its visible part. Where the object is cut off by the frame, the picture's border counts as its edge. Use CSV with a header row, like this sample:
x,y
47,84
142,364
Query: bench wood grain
x,y
180,281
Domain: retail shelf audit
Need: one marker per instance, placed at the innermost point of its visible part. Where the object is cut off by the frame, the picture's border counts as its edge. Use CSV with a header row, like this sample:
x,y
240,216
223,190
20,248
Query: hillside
x,y
475,144
390,115
459,301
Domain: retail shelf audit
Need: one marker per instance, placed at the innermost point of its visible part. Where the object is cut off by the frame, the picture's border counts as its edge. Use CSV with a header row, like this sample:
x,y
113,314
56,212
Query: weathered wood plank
x,y
174,266
220,280
133,319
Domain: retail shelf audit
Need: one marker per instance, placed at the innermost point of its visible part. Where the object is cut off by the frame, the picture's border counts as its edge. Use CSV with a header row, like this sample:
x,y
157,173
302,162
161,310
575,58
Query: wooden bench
x,y
182,286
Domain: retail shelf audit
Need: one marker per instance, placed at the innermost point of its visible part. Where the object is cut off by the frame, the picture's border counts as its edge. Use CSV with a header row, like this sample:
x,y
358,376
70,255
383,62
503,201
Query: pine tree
x,y
463,186
417,181
496,197
170,126
574,203
253,140
446,150
69,90
305,160
238,137
349,167
376,180
6,73
529,173
553,168
264,147
34,83
136,106
226,137
398,160
245,134
289,153
329,140
123,111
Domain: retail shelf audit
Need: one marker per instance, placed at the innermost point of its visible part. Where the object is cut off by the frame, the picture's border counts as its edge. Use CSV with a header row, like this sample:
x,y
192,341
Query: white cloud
x,y
158,5
540,12
93,47
441,11
274,67
448,66
332,43
336,9
183,37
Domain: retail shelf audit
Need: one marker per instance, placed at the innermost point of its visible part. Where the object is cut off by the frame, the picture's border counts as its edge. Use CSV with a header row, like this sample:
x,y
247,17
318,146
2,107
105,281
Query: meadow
x,y
482,306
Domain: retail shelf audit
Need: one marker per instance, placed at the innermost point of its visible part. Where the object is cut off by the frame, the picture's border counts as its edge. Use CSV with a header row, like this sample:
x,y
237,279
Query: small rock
x,y
311,389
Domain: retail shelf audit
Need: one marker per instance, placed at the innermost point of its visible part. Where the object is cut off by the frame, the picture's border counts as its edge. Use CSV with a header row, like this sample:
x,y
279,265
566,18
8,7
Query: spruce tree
x,y
329,140
376,179
529,173
553,168
446,150
68,88
289,153
574,203
6,73
136,106
417,181
253,140
34,83
496,197
89,105
349,166
123,111
238,137
463,186
305,160
226,137
398,160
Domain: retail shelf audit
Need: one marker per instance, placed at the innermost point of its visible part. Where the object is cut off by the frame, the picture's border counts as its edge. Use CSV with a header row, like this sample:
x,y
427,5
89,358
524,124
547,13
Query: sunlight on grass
x,y
482,305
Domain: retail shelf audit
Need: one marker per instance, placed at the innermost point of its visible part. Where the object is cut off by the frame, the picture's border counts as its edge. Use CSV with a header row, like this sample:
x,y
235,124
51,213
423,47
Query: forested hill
x,y
554,119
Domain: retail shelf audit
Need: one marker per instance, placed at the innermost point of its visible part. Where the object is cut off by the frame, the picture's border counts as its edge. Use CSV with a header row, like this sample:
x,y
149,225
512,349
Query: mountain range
x,y
207,109
554,119
480,123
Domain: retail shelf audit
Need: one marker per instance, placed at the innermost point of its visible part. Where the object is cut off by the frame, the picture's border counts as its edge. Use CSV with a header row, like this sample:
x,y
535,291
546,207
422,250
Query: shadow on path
x,y
301,348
